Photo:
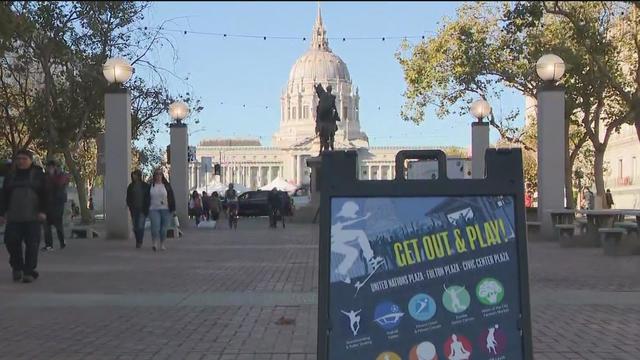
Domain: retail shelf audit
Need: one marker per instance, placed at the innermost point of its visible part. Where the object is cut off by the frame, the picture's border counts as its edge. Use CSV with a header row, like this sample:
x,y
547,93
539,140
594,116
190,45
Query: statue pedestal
x,y
309,213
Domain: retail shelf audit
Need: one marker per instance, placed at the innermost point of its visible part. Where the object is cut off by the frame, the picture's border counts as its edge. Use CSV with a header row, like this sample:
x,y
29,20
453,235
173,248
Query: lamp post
x,y
480,109
179,162
552,135
117,141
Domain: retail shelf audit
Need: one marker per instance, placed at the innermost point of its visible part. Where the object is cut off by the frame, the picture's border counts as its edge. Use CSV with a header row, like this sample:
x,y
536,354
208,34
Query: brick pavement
x,y
219,295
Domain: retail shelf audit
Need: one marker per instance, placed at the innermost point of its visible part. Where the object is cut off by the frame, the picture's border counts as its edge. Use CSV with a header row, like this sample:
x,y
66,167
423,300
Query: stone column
x,y
117,108
369,172
269,174
179,166
479,145
260,177
294,170
300,169
551,154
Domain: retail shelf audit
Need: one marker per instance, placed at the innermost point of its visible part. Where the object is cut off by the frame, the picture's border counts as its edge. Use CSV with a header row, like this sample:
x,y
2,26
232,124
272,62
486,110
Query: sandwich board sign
x,y
423,269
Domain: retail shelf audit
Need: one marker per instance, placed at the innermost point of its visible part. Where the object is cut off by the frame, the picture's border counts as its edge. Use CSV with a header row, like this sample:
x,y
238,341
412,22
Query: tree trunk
x,y
637,123
81,186
568,181
598,171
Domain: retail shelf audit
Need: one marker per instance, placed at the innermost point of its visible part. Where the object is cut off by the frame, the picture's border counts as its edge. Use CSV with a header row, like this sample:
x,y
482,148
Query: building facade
x,y
252,165
622,176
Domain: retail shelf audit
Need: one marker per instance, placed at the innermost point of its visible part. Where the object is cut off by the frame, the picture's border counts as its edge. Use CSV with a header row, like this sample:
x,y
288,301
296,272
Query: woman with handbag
x,y
161,206
196,205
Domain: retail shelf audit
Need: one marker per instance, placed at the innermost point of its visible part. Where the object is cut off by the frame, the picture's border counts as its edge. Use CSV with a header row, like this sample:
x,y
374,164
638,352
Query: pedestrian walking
x,y
23,206
205,206
591,199
609,199
275,207
56,183
162,205
215,206
138,204
196,206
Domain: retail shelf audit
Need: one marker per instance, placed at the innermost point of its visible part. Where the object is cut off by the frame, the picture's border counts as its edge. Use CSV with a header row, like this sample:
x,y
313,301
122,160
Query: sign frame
x,y
504,177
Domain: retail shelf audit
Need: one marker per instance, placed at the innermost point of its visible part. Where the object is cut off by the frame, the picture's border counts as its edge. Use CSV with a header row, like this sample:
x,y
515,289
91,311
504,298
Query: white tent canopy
x,y
221,188
280,184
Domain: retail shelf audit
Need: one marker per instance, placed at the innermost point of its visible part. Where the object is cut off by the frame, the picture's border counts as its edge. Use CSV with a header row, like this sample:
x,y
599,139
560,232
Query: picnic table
x,y
598,219
633,212
562,216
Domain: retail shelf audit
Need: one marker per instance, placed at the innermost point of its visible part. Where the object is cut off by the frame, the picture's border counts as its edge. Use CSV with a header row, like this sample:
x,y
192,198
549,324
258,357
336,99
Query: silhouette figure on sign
x,y
354,320
491,340
341,239
456,305
458,352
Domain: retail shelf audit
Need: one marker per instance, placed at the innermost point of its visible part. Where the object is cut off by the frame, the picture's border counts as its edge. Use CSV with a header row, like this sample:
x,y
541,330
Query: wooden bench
x,y
533,227
611,240
83,232
565,232
630,226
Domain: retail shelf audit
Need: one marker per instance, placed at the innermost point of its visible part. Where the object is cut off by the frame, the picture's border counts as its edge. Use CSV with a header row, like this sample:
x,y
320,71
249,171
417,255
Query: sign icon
x,y
342,243
493,341
423,351
457,347
490,291
422,307
388,355
456,298
354,320
388,315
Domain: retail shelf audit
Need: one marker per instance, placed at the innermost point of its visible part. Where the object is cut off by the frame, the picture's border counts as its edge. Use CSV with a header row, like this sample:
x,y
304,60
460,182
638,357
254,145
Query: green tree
x,y
490,46
67,43
607,77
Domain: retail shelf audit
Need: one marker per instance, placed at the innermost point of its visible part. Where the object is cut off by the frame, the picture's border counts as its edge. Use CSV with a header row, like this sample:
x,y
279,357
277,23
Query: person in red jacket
x,y
56,184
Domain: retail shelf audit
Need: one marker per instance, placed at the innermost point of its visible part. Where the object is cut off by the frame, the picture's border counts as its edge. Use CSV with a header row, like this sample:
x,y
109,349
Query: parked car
x,y
256,203
301,197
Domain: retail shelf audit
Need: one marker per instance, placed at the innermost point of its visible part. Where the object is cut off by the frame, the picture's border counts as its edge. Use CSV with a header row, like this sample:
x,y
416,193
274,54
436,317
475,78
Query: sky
x,y
227,73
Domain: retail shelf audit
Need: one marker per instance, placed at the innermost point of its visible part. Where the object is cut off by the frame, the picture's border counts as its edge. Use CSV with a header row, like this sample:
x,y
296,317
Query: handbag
x,y
176,222
209,224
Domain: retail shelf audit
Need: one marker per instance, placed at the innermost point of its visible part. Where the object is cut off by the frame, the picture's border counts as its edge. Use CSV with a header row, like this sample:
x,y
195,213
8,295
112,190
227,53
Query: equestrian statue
x,y
326,117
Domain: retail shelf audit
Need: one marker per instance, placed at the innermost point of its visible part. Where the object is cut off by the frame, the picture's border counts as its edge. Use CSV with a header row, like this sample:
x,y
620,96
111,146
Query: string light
x,y
245,106
304,38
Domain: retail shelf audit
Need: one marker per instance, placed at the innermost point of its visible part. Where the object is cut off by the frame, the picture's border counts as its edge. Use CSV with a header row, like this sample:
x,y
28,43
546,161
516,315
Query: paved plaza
x,y
251,294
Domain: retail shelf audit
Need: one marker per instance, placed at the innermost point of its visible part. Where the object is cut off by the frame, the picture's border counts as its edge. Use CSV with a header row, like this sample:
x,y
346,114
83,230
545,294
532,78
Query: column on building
x,y
302,167
369,172
261,176
294,169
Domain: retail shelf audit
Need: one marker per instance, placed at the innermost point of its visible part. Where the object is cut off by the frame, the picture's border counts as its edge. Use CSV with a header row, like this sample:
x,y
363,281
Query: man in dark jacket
x,y
609,199
275,206
23,206
56,183
137,200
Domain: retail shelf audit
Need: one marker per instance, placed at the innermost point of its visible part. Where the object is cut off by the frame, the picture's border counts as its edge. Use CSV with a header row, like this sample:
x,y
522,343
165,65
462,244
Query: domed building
x,y
248,163
299,100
